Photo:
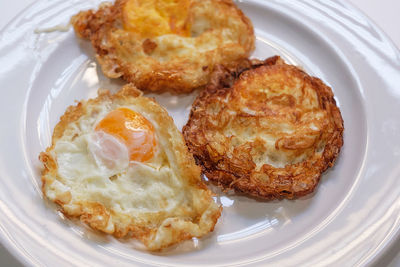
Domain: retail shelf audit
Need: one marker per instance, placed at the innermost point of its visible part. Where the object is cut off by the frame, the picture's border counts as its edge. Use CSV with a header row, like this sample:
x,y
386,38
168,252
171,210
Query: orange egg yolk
x,y
134,130
152,18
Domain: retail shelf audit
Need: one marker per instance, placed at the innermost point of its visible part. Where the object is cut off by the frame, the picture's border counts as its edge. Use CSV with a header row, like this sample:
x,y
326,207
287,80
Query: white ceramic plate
x,y
350,220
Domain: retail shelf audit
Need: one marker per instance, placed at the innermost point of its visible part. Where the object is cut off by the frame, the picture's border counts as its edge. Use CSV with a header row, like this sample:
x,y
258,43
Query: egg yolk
x,y
152,18
134,130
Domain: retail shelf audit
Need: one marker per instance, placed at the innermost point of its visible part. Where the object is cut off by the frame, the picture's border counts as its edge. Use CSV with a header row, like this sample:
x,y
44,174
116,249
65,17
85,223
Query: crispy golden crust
x,y
221,34
156,230
266,129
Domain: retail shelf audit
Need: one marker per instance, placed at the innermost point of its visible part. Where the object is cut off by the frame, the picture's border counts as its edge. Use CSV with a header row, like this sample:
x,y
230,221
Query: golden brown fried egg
x,y
266,129
119,164
166,45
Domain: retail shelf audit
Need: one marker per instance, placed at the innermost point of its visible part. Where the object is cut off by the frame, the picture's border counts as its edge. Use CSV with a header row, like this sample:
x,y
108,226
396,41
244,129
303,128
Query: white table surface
x,y
385,13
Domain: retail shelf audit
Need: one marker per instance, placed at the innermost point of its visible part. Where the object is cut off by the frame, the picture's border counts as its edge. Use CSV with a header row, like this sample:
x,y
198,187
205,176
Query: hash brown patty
x,y
266,129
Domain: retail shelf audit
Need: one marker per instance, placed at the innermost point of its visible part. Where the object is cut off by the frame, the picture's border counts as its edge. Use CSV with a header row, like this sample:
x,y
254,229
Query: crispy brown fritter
x,y
219,34
266,129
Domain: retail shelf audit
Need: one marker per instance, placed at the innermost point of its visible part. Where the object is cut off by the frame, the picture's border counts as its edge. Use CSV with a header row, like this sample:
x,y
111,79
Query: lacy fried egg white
x,y
119,164
266,129
166,45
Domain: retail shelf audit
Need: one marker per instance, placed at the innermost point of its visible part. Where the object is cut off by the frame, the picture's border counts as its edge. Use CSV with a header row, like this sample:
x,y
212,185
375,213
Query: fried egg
x,y
119,164
266,129
166,45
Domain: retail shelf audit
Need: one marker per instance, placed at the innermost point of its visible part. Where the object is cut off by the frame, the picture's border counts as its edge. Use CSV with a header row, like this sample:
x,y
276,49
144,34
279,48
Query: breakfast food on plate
x,y
119,164
166,45
266,129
